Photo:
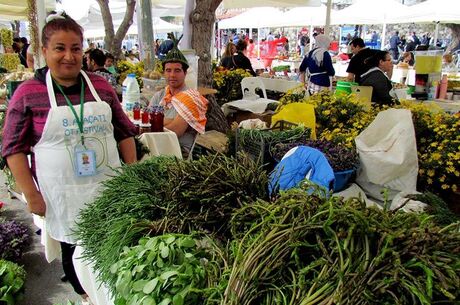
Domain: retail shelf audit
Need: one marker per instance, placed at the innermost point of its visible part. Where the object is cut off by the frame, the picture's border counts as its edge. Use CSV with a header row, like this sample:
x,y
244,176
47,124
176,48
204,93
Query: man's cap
x,y
175,55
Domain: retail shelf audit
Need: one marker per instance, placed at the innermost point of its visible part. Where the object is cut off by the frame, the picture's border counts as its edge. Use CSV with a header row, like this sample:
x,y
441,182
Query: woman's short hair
x,y
60,21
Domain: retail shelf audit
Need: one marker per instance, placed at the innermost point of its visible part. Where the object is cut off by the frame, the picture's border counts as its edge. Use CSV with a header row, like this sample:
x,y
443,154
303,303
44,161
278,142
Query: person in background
x,y
394,45
132,58
39,123
157,47
96,61
185,108
415,39
20,46
238,60
408,58
410,45
109,63
374,37
165,47
378,77
316,69
230,49
356,67
251,46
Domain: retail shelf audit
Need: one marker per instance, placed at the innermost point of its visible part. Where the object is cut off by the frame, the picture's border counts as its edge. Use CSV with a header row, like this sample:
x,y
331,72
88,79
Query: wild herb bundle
x,y
303,249
166,195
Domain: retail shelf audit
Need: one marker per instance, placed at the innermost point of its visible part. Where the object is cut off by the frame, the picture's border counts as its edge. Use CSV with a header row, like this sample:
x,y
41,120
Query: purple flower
x,y
14,237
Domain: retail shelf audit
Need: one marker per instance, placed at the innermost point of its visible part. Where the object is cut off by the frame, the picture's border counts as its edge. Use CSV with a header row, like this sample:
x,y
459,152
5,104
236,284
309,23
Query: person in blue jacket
x,y
316,69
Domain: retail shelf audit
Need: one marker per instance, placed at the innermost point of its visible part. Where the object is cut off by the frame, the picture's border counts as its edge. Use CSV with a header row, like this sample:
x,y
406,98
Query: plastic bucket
x,y
342,178
344,88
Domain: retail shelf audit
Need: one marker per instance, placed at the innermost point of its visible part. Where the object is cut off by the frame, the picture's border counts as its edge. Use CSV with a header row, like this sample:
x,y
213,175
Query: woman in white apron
x,y
71,122
316,70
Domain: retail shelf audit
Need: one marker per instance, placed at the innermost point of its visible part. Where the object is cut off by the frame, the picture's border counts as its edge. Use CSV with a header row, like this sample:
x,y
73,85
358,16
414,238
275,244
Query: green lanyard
x,y
78,119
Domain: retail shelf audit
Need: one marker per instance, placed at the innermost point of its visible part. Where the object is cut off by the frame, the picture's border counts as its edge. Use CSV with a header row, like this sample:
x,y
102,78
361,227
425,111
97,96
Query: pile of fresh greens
x,y
245,249
12,279
165,195
171,268
303,249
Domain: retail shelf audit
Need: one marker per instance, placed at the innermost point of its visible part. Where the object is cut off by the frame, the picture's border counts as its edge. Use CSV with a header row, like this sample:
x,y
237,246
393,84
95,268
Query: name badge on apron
x,y
85,162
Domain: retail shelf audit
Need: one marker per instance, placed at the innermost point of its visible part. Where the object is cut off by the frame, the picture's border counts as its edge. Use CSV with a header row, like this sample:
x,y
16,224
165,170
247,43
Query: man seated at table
x,y
356,67
185,108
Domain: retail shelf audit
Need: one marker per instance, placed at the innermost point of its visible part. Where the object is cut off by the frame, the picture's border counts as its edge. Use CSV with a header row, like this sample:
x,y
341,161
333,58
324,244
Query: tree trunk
x,y
455,28
113,40
202,20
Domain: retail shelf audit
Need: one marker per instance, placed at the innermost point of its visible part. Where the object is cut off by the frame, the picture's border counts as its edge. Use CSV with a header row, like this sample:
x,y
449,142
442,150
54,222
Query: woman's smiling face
x,y
64,55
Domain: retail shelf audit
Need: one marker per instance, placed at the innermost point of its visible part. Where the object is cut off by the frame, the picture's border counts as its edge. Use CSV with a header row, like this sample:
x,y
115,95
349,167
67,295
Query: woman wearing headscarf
x,y
316,69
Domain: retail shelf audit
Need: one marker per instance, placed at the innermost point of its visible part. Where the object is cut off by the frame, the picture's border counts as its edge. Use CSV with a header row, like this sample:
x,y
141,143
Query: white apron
x,y
64,193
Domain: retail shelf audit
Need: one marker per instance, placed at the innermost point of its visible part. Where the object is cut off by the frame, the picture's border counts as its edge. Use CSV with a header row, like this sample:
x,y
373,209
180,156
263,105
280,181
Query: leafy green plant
x,y
12,278
167,269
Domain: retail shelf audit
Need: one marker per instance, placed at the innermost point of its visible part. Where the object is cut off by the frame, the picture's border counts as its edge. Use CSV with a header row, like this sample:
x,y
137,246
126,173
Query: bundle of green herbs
x,y
170,268
304,249
165,195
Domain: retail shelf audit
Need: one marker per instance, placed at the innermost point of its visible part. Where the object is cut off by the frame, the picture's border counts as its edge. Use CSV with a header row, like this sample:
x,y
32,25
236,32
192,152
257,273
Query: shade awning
x,y
17,9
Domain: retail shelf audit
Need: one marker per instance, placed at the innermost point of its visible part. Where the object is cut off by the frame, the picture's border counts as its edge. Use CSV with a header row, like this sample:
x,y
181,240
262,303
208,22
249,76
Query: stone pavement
x,y
43,285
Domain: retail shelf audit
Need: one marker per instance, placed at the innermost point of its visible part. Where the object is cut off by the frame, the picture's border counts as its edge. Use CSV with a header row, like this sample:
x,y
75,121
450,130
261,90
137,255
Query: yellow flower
x,y
429,181
444,186
454,187
430,173
326,112
343,111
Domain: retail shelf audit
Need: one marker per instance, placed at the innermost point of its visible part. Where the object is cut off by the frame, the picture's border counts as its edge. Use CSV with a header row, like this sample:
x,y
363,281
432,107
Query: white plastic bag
x,y
388,154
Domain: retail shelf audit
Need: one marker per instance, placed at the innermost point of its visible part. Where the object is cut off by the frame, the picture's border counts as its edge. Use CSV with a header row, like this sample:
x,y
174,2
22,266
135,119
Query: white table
x,y
447,106
257,105
161,144
340,68
278,84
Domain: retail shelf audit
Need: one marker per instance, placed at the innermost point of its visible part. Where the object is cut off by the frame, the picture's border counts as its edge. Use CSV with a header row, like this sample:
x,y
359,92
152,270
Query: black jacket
x,y
381,86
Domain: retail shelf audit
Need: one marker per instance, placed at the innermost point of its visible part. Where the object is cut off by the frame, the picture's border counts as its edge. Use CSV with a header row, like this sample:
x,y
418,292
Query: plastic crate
x,y
258,149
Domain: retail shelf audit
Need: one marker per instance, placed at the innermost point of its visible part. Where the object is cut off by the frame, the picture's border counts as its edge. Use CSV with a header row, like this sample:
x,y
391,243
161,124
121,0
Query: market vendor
x,y
316,69
185,108
356,67
73,126
378,77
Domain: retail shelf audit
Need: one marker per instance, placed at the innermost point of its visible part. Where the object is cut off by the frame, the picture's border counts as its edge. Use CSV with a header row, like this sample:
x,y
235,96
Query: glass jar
x,y
156,119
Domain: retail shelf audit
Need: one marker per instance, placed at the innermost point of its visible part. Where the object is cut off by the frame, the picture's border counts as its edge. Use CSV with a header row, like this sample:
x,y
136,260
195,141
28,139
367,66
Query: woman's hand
x,y
36,204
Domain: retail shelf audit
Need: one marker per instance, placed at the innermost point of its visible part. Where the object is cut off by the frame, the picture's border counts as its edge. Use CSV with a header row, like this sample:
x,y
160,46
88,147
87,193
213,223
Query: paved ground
x,y
43,285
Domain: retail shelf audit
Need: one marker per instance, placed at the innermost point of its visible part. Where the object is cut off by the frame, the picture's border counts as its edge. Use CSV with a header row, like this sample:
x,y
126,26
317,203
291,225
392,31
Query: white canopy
x,y
369,12
17,9
257,17
302,16
271,3
160,26
444,11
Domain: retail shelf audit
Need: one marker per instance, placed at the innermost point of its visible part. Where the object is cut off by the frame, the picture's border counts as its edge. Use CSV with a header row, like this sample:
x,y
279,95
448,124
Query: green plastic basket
x,y
344,88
